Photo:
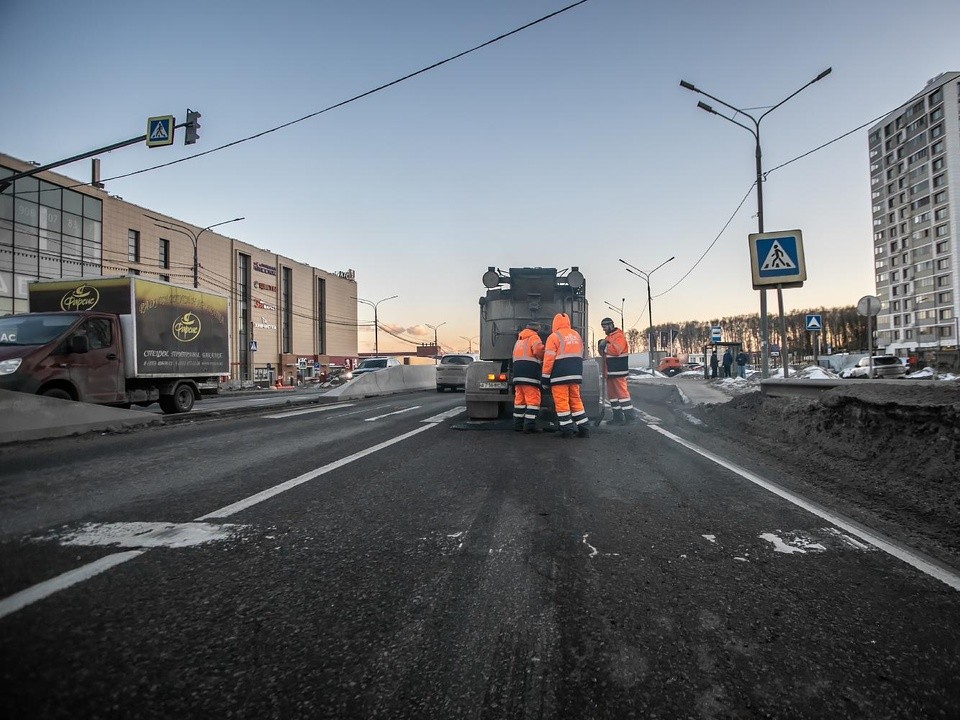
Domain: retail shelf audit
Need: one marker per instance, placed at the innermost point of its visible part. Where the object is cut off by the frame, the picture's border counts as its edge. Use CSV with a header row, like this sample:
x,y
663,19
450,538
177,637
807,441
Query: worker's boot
x,y
566,433
617,418
629,417
583,431
518,424
530,427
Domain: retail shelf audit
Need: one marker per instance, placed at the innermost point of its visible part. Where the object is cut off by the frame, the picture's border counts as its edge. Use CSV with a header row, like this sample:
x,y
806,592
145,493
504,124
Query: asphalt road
x,y
379,559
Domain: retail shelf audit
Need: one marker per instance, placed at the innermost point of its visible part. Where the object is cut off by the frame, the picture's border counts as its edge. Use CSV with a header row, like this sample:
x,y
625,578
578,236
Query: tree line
x,y
843,329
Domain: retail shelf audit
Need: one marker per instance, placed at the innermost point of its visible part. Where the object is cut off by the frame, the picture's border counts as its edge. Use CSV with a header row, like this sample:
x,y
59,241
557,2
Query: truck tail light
x,y
494,376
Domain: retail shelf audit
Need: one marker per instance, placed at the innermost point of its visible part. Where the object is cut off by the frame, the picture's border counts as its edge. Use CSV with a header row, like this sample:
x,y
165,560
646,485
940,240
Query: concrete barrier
x,y
26,417
388,381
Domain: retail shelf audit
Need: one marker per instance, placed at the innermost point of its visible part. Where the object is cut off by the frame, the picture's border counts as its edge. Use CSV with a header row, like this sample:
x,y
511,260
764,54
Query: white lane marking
x,y
42,590
20,600
395,412
145,534
445,415
934,570
650,419
711,538
294,413
306,477
691,419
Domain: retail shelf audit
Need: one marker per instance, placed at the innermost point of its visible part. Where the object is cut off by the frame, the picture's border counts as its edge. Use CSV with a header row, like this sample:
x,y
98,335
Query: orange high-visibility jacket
x,y
563,354
527,358
615,354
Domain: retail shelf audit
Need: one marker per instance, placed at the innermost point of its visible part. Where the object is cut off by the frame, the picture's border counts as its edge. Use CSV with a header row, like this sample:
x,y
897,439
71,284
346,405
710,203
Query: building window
x,y
940,197
936,114
943,281
940,181
946,313
938,164
944,245
942,231
937,148
133,245
942,214
321,316
286,309
936,96
945,298
936,131
244,319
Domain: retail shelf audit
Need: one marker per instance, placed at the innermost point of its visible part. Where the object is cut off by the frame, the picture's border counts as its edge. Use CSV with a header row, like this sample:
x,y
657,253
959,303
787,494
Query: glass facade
x,y
47,232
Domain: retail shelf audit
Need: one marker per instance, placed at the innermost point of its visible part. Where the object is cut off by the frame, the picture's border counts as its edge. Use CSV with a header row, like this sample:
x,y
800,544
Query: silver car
x,y
884,366
452,371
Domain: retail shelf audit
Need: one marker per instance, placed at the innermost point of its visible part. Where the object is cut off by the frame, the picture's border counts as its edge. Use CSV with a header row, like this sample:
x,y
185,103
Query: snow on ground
x,y
883,450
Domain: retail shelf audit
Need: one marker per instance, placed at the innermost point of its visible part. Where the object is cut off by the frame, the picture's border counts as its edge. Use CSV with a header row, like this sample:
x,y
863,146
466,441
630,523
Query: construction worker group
x,y
557,365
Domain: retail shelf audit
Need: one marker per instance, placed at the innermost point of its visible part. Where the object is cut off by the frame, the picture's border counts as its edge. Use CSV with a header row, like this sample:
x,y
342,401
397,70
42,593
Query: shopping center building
x,y
287,319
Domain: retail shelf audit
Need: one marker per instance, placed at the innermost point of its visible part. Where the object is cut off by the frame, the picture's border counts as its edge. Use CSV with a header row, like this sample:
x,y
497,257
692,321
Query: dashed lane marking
x,y
295,413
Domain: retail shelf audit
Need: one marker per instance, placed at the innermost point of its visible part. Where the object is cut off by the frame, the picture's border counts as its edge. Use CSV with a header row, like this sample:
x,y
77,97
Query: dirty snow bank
x,y
892,449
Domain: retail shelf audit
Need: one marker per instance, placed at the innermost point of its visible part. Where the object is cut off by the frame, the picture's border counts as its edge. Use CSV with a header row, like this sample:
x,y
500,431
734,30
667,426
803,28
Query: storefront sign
x,y
264,286
268,269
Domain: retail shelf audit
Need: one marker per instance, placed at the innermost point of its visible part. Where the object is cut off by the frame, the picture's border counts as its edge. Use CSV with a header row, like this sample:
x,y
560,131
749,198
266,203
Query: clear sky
x,y
569,143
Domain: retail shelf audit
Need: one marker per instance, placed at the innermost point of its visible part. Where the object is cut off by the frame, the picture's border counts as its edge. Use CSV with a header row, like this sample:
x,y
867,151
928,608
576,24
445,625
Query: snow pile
x,y
815,372
888,453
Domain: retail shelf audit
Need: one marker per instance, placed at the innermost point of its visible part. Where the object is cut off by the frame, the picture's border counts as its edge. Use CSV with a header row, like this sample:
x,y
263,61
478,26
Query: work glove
x,y
602,345
545,382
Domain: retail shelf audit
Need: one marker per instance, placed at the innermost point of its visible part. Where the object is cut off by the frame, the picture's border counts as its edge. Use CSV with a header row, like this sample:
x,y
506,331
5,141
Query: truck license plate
x,y
493,386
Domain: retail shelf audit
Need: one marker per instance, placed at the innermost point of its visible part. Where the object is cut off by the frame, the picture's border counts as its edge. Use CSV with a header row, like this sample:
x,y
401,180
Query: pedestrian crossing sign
x,y
160,130
776,258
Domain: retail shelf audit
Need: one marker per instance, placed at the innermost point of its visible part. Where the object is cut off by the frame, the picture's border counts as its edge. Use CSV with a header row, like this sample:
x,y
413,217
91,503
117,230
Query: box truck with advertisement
x,y
118,341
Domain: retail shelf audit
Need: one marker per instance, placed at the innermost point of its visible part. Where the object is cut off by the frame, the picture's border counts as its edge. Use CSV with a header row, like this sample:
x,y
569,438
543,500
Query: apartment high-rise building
x,y
915,190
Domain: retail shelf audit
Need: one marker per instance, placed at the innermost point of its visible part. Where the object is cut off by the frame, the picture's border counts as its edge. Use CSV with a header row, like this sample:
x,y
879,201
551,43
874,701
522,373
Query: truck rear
x,y
512,300
116,341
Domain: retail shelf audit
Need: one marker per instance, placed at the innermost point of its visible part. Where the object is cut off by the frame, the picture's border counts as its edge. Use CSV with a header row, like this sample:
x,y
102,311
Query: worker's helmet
x,y
607,324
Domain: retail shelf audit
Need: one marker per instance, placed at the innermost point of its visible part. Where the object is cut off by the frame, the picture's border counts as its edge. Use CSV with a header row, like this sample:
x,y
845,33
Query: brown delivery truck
x,y
116,341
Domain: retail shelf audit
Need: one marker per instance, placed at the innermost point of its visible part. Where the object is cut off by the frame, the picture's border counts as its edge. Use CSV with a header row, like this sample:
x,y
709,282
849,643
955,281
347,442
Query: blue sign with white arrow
x,y
777,259
814,323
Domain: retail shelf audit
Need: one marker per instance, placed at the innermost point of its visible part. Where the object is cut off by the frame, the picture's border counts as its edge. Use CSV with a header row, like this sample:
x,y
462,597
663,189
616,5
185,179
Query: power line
x,y
355,97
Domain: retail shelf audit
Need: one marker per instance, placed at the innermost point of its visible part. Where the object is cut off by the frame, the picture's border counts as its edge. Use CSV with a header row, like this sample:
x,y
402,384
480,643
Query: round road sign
x,y
868,306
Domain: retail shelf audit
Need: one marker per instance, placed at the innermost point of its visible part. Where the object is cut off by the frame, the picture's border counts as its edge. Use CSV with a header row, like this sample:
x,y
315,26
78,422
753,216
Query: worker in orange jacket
x,y
563,373
615,351
527,367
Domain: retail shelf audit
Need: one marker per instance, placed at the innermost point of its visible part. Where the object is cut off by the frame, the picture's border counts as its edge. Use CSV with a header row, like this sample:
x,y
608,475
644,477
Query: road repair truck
x,y
513,299
116,341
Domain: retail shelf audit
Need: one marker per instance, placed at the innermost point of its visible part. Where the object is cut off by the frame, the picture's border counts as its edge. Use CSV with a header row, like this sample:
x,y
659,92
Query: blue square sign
x,y
776,258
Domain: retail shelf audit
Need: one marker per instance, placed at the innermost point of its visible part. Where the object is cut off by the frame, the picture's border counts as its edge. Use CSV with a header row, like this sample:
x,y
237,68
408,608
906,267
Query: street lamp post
x,y
436,346
376,321
194,238
755,131
618,309
469,341
645,276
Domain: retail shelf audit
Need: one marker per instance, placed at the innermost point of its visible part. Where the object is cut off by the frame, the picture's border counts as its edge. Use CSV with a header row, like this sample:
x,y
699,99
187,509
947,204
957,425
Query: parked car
x,y
670,366
884,366
452,371
373,364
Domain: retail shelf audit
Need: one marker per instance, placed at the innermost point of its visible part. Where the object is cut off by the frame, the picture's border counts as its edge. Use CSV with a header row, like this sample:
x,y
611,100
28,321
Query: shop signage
x,y
268,269
264,286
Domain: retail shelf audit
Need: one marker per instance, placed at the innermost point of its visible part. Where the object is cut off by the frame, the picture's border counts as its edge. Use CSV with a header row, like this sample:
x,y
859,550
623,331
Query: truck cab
x,y
71,356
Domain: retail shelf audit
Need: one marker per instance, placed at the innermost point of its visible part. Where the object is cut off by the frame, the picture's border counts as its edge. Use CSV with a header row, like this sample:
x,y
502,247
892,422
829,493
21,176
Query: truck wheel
x,y
180,402
58,393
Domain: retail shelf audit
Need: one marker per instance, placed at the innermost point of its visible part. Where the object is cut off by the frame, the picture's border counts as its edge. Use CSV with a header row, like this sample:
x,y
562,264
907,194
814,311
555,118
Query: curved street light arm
x,y
819,77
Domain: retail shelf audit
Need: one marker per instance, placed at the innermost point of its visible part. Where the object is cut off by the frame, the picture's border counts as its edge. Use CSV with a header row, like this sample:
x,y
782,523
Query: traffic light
x,y
192,127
